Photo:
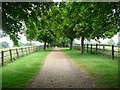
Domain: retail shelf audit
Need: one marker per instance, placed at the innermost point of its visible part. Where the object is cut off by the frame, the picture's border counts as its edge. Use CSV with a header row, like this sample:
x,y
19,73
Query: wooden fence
x,y
105,50
12,54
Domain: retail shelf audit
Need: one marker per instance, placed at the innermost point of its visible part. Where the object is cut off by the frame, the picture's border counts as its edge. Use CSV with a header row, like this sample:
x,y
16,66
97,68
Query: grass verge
x,y
103,71
20,72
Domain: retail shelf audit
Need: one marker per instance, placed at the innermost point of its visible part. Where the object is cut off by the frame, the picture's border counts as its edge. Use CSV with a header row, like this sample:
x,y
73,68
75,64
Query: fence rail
x,y
105,50
12,54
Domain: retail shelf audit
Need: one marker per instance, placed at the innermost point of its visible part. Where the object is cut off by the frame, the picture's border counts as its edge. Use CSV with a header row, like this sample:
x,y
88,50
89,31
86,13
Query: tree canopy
x,y
50,22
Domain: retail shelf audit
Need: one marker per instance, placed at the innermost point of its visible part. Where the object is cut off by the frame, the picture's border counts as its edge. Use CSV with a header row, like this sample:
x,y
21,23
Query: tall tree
x,y
46,22
97,20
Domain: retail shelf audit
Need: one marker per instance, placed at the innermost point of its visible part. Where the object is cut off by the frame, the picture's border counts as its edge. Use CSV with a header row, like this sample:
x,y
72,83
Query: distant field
x,y
4,49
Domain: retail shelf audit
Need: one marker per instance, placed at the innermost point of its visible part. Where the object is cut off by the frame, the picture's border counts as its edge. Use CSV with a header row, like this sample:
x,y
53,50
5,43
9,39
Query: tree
x,y
46,22
97,20
16,15
63,42
12,19
4,44
43,27
69,21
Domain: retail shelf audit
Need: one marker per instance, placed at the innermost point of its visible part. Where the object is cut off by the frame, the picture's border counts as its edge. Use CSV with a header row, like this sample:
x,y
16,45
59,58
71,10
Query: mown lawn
x,y
19,73
103,71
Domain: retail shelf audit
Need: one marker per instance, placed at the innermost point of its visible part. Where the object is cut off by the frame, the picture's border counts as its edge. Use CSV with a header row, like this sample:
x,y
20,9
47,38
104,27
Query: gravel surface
x,y
59,72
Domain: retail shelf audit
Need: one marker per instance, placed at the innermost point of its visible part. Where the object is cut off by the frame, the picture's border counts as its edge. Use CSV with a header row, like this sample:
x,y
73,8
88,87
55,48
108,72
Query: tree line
x,y
54,23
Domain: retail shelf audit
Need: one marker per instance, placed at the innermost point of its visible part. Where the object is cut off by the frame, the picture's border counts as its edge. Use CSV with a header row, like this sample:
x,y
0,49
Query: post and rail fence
x,y
112,51
12,54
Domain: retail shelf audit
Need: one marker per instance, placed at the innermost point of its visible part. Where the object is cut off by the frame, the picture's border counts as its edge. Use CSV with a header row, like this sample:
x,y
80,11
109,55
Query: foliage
x,y
63,42
47,22
4,44
43,24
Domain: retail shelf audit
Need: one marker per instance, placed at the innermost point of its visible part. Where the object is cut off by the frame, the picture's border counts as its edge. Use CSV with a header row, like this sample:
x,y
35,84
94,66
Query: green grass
x,y
20,72
100,50
14,53
103,71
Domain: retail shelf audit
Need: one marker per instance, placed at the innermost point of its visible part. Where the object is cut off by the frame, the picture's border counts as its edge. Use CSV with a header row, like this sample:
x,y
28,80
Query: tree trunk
x,y
44,45
71,44
48,45
82,45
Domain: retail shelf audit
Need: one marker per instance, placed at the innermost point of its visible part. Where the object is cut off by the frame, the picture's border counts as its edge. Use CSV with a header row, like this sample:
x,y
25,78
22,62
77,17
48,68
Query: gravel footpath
x,y
59,72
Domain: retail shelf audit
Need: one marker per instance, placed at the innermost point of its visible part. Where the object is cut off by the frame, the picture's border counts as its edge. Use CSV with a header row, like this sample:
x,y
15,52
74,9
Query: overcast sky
x,y
24,40
103,41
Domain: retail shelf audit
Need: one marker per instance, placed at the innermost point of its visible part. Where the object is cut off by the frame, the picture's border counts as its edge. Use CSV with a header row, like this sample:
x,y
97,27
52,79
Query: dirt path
x,y
59,72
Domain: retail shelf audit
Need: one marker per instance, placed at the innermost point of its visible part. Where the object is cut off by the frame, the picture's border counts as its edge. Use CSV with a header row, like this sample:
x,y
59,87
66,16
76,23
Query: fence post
x,y
2,56
10,55
22,51
39,47
112,51
32,49
103,49
26,51
91,48
17,53
35,49
87,48
29,49
96,48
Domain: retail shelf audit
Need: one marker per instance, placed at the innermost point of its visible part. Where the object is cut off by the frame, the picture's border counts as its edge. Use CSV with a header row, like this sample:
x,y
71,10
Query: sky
x,y
57,0
24,40
103,41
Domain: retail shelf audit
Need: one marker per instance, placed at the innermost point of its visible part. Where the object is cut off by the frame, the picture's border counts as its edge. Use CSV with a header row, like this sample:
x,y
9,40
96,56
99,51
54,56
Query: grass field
x,y
107,50
103,71
22,51
20,72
